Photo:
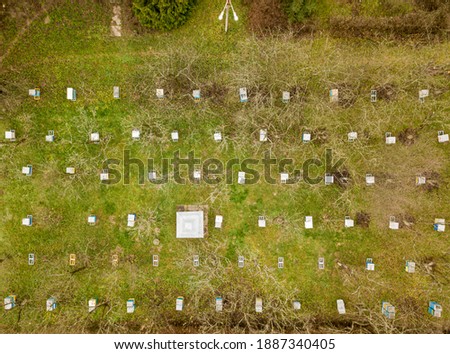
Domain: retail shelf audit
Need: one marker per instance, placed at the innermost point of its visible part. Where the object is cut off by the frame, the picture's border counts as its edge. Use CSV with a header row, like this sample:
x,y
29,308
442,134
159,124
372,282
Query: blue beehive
x,y
388,310
10,302
50,304
131,306
434,309
369,264
410,266
35,93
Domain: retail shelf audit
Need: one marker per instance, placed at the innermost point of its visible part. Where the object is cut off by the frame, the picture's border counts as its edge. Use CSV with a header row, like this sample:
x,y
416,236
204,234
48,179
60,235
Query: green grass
x,y
75,49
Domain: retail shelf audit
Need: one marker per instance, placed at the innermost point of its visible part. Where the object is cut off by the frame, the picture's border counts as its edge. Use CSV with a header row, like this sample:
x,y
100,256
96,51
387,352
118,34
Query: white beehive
x,y
263,135
217,136
70,170
370,179
258,305
10,135
329,179
241,177
131,220
92,219
116,92
308,222
155,260
306,137
442,138
159,93
131,306
196,260
92,304
28,221
261,221
241,261
348,222
243,94
135,134
179,303
390,139
71,94
218,222
95,137
352,136
321,263
340,306
27,170
219,304
393,224
50,137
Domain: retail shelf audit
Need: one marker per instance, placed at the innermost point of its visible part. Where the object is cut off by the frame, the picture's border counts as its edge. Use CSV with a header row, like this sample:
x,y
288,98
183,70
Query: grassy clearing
x,y
75,49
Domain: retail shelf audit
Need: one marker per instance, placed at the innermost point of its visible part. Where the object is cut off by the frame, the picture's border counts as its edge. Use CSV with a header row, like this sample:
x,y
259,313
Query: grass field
x,y
75,49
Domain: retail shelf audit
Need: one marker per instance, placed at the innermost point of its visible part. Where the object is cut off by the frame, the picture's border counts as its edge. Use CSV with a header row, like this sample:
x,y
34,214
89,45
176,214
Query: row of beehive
x,y
348,222
410,266
387,309
306,136
71,94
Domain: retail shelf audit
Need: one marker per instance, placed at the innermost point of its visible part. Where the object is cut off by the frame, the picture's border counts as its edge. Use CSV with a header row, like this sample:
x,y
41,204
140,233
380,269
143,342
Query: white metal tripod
x,y
225,11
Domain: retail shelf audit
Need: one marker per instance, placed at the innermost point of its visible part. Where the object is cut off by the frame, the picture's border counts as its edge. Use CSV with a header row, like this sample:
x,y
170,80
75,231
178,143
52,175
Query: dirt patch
x,y
437,70
343,266
215,92
366,134
22,13
408,136
408,305
342,178
118,250
130,24
432,180
418,24
280,220
385,178
386,92
362,219
259,93
266,16
177,85
319,136
431,5
406,220
132,327
440,91
287,128
428,264
347,94
77,270
131,258
298,93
